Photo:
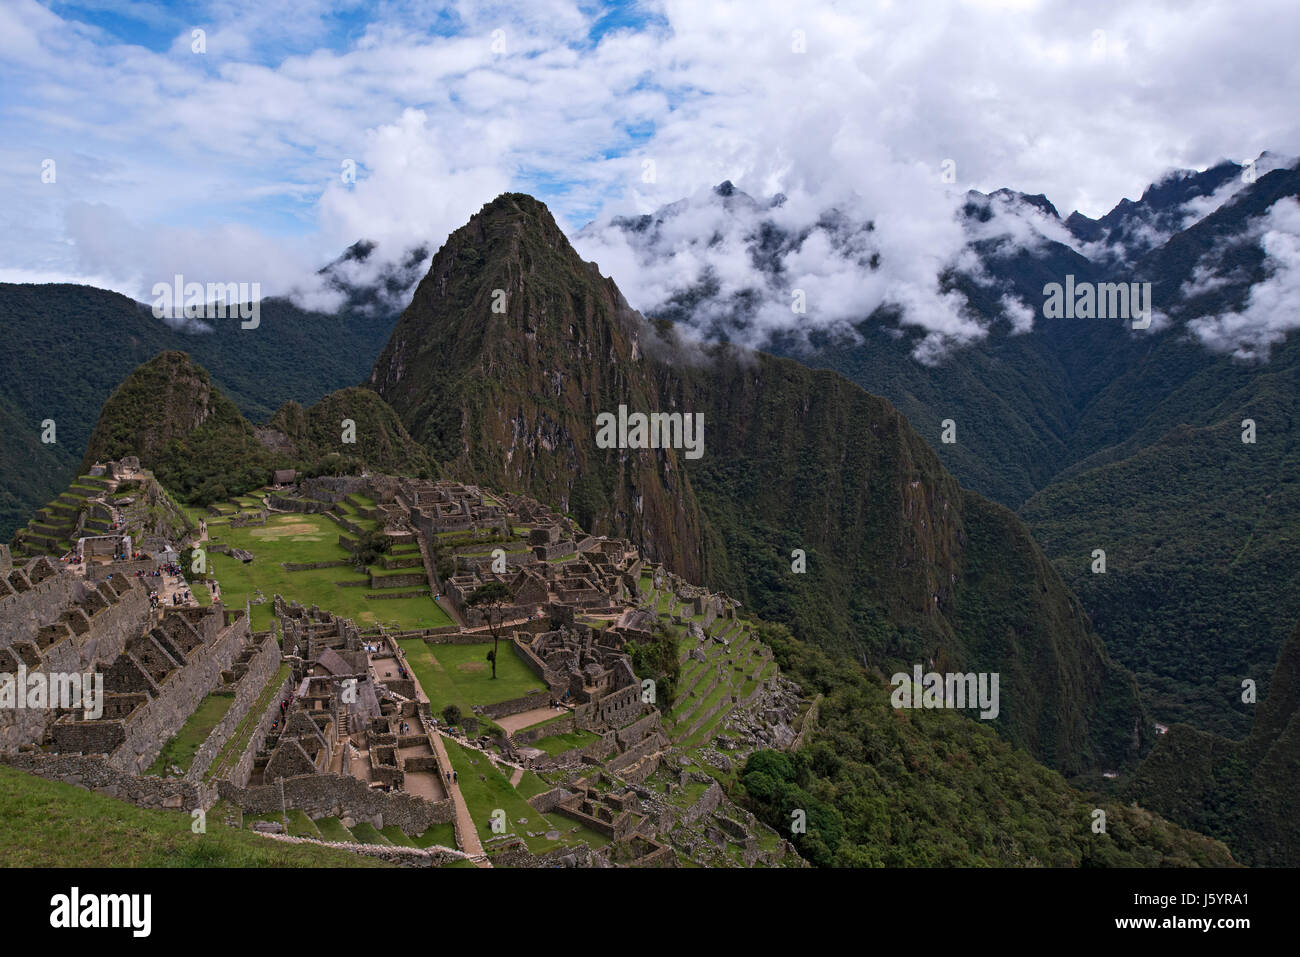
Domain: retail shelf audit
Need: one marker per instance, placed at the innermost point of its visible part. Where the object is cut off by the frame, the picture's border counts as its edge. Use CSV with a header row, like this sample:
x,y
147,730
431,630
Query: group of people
x,y
180,596
284,710
165,570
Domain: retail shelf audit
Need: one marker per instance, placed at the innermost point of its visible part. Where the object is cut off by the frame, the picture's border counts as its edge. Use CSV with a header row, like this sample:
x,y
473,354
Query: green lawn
x,y
493,791
461,675
300,825
531,784
441,834
51,824
181,748
332,829
305,539
367,834
559,743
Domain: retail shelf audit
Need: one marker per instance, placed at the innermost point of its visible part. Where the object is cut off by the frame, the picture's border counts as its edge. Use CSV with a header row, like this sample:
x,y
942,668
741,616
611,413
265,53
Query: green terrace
x,y
301,539
235,746
180,750
486,789
728,675
462,675
52,527
708,690
333,829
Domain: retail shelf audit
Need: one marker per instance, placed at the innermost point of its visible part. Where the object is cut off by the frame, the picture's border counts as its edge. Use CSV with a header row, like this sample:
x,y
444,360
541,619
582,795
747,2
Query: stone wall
x,y
546,801
560,726
435,856
244,519
618,707
97,631
341,795
455,637
537,699
410,580
518,855
306,506
635,732
243,769
260,669
632,755
530,660
97,572
707,804
334,487
95,773
158,719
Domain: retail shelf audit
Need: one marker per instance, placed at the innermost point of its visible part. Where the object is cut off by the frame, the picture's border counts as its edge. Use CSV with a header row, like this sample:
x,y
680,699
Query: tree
x,y
451,714
492,598
370,546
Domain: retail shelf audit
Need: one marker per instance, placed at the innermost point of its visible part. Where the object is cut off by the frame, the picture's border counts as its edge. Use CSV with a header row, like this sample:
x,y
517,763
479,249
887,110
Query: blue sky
x,y
228,164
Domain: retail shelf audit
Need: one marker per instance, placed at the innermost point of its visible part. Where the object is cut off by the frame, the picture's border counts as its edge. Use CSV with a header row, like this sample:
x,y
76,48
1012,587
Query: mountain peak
x,y
516,207
166,398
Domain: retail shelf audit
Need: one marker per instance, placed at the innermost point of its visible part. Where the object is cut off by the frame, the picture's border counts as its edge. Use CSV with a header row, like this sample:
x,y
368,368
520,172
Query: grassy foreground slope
x,y
51,824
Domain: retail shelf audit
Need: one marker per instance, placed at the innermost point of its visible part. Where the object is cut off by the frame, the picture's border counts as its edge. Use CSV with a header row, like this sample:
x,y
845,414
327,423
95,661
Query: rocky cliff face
x,y
513,346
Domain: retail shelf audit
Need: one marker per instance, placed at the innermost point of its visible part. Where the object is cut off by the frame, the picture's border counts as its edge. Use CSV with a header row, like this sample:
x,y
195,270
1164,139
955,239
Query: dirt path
x,y
466,832
526,719
516,777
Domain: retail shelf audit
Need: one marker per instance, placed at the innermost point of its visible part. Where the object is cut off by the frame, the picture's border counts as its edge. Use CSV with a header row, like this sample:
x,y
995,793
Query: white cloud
x,y
229,162
1272,307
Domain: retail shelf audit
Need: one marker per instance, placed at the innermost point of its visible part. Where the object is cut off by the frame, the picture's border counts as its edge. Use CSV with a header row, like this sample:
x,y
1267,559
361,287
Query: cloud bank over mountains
x,y
263,156
1272,307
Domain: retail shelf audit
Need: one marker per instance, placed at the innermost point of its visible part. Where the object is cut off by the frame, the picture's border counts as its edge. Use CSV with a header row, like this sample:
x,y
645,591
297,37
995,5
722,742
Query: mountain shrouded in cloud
x,y
909,565
1082,424
788,268
393,121
739,269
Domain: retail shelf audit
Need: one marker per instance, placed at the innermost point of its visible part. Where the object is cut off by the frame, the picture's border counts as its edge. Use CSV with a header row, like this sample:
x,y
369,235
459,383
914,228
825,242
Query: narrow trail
x,y
466,832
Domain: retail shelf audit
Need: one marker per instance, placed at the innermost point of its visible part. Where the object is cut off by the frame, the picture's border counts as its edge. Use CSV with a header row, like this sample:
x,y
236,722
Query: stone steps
x,y
698,701
703,730
695,676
